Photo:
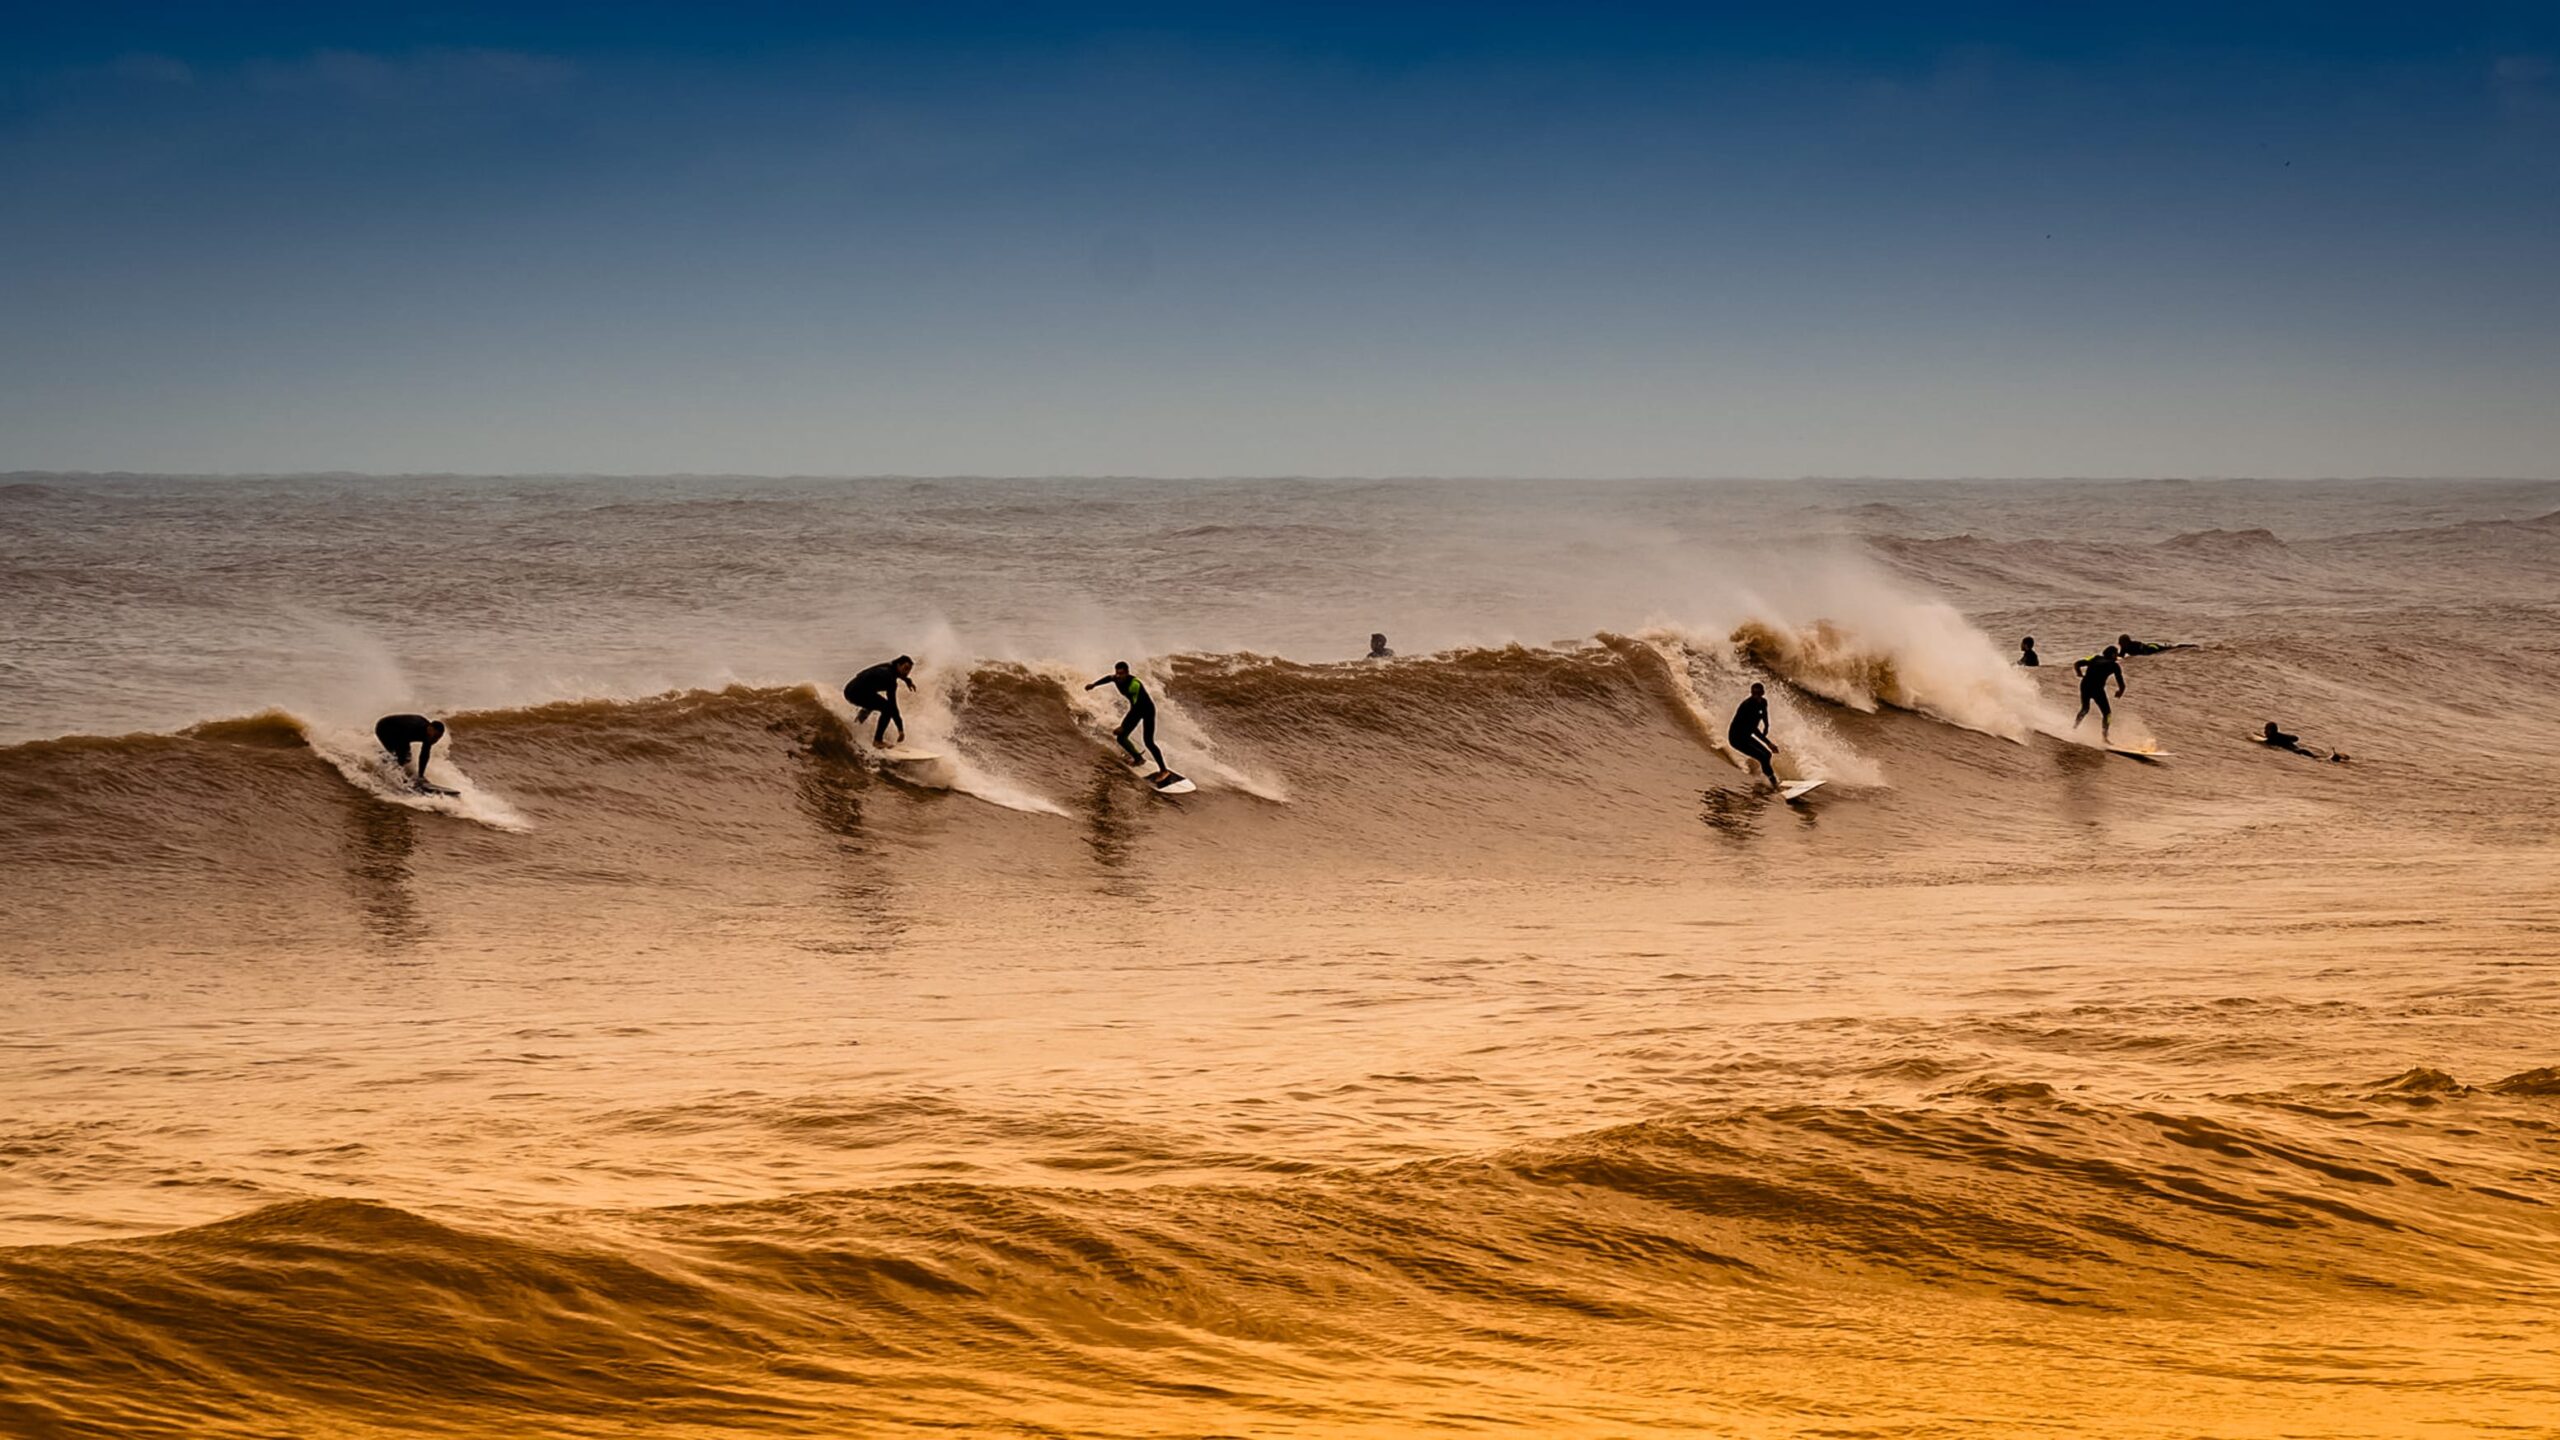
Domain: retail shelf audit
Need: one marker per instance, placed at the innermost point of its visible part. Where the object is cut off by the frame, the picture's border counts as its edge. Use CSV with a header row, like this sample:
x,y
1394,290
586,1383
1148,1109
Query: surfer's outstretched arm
x,y
425,748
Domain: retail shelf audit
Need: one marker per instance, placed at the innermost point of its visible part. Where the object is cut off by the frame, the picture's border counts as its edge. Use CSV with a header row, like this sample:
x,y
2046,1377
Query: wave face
x,y
1477,1048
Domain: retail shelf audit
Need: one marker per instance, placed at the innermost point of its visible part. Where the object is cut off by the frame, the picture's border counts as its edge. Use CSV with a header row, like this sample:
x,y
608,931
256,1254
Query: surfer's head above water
x,y
1378,646
905,665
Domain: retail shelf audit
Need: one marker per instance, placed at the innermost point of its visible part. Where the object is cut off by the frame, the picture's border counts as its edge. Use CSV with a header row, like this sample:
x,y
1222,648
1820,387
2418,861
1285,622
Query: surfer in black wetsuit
x,y
876,689
2127,645
2027,653
1378,648
1749,732
398,732
1142,712
2094,674
2282,741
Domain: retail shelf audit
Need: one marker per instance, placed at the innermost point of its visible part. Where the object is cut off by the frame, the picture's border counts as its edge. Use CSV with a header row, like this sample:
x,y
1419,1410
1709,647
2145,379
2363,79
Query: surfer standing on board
x,y
2094,674
877,689
398,732
1142,711
1749,732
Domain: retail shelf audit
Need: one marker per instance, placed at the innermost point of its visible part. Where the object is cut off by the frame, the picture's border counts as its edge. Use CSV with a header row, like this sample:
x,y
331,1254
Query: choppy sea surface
x,y
1478,1050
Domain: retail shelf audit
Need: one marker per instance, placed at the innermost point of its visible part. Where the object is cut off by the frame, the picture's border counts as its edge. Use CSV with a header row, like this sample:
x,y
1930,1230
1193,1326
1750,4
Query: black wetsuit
x,y
1142,712
2095,672
1749,731
2282,741
877,689
2028,659
398,732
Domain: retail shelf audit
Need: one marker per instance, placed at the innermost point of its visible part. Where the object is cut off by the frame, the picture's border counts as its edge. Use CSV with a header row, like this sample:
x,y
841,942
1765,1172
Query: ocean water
x,y
1478,1051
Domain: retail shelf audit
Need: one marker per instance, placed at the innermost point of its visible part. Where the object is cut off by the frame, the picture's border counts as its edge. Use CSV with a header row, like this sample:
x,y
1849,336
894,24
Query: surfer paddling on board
x,y
1749,732
1142,711
2027,653
398,732
876,689
2127,645
2278,739
2094,674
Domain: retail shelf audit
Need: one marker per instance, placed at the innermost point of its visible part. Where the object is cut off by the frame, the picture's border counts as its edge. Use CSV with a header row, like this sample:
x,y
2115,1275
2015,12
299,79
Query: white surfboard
x,y
2132,754
1795,790
901,755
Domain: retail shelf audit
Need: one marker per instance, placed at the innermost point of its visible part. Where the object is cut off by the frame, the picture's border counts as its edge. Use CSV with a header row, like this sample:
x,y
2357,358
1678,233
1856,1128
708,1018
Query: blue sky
x,y
1262,239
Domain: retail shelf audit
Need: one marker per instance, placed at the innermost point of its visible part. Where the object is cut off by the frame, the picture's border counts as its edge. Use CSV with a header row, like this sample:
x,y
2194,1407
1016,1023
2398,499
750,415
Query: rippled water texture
x,y
1477,1050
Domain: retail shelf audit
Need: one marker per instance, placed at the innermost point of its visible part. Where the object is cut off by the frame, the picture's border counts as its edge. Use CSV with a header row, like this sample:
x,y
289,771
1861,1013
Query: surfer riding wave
x,y
1141,716
1749,732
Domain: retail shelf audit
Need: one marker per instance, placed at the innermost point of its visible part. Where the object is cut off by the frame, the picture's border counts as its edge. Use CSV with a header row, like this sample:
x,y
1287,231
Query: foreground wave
x,y
919,1307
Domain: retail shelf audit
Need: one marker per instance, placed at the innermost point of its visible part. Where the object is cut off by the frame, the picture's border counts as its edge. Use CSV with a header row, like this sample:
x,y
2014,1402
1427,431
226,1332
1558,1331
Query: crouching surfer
x,y
1749,732
398,732
876,691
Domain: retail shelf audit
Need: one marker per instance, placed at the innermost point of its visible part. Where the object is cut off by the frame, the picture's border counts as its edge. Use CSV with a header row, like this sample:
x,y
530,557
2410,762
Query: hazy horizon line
x,y
22,475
